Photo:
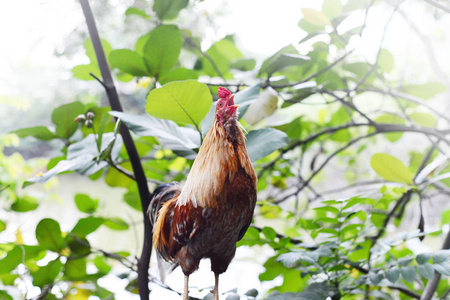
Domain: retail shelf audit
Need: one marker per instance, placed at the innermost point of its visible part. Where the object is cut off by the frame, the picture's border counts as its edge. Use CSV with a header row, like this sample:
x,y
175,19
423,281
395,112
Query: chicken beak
x,y
231,100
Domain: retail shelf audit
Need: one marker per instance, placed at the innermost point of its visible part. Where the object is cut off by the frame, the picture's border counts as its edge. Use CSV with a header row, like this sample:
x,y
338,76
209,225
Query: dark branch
x,y
141,180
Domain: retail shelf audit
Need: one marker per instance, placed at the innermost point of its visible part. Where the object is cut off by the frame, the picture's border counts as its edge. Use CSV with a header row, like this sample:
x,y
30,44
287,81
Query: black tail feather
x,y
161,195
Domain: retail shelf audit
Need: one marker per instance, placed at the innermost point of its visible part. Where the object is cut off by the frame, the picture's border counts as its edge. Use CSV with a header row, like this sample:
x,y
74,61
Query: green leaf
x,y
63,117
132,199
114,178
48,273
393,274
269,233
178,74
49,235
386,61
262,142
12,259
162,49
168,9
423,119
75,269
137,12
2,226
83,71
101,265
39,132
5,296
426,270
116,224
81,157
24,204
243,64
408,273
424,91
332,8
85,203
315,17
90,52
446,217
222,53
376,278
184,102
86,226
171,135
390,168
285,57
128,61
423,258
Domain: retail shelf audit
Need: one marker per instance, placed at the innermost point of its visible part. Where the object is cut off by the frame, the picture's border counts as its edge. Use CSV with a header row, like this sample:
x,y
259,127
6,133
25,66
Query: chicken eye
x,y
220,104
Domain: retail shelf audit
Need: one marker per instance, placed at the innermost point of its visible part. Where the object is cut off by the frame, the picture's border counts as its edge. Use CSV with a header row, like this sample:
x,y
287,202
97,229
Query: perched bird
x,y
214,209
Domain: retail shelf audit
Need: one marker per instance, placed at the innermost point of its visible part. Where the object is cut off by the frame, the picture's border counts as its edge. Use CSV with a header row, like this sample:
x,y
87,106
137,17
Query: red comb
x,y
223,92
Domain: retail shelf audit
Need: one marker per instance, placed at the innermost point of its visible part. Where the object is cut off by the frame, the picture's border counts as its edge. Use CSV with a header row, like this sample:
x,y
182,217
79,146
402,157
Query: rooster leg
x,y
216,287
186,287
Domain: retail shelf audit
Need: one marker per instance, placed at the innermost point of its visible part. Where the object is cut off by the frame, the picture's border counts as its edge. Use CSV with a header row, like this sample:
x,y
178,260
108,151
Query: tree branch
x,y
144,193
437,5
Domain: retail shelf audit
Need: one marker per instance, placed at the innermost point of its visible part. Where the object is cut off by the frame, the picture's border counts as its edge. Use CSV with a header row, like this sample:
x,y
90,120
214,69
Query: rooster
x,y
213,210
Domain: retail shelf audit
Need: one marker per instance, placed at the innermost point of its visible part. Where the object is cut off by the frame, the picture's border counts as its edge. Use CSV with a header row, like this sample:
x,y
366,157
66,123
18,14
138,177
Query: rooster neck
x,y
222,153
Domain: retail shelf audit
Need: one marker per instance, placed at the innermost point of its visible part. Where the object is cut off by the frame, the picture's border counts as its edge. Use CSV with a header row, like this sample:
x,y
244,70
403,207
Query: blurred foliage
x,y
383,137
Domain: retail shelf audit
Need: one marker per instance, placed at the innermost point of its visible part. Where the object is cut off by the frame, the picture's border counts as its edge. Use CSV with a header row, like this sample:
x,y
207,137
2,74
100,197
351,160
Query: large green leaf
x,y
386,60
49,236
24,204
178,75
90,51
222,53
128,61
285,57
262,142
331,8
136,12
83,72
170,134
75,269
12,259
184,102
162,49
82,157
39,132
391,168
63,117
85,203
426,270
315,17
86,226
168,9
424,91
48,273
116,223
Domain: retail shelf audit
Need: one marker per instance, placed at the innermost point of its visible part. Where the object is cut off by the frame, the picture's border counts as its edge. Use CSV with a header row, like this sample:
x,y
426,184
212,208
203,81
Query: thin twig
x,y
435,4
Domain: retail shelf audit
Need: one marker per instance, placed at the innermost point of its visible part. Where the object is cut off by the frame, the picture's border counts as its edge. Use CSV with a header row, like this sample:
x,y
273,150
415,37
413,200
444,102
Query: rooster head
x,y
226,109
